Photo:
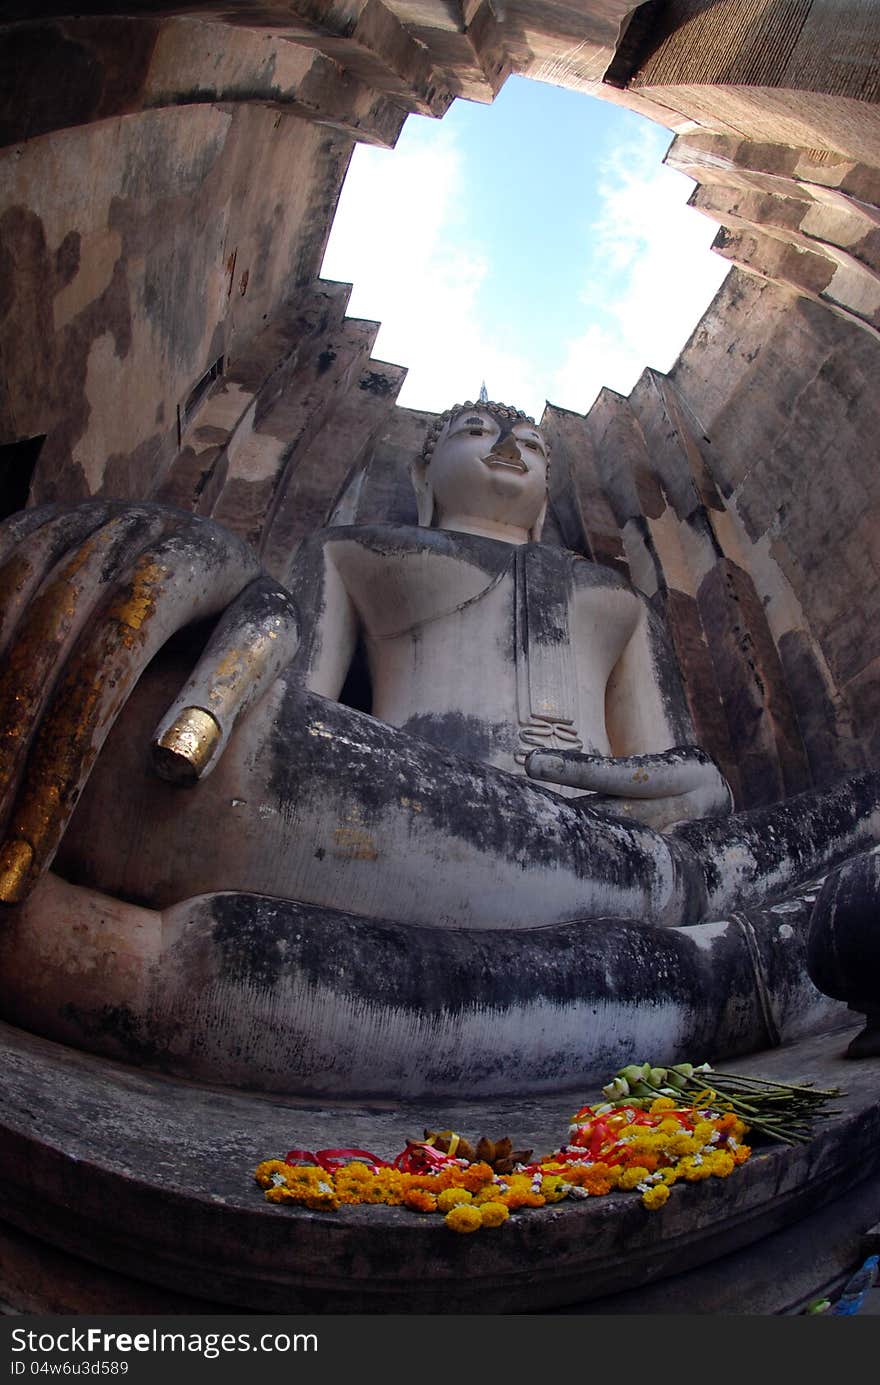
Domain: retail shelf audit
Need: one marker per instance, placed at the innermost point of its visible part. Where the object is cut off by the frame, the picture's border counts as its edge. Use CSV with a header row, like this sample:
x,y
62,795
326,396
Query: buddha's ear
x,y
537,527
418,474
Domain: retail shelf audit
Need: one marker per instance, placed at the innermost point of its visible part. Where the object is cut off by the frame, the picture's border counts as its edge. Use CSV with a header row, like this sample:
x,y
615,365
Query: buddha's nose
x,y
507,446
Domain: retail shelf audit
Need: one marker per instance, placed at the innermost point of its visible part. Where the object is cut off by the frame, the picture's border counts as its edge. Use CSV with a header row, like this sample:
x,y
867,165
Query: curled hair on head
x,y
504,412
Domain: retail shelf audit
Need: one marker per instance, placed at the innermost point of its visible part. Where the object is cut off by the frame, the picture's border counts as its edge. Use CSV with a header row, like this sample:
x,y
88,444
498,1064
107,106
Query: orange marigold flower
x,y
741,1154
417,1200
464,1218
647,1158
476,1176
597,1179
513,1200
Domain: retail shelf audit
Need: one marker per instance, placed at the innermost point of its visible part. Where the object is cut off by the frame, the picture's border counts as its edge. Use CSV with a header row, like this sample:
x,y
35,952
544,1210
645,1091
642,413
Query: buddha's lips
x,y
507,462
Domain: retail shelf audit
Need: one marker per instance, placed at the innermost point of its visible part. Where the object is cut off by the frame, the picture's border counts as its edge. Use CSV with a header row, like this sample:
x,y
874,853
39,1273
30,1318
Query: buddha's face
x,y
488,468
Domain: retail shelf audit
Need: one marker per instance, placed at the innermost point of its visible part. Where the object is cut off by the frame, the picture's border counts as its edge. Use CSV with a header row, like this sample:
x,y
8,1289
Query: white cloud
x,y
649,275
400,237
396,238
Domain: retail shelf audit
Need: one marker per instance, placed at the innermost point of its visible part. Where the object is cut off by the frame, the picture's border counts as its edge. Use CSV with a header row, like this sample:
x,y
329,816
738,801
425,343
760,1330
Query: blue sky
x,y
537,243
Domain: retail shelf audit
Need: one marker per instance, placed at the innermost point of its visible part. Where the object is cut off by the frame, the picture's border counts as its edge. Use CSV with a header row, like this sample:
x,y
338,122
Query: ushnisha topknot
x,y
500,411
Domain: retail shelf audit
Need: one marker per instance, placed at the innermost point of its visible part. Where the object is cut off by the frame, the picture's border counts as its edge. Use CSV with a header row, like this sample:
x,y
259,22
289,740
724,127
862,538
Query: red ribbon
x,y
332,1159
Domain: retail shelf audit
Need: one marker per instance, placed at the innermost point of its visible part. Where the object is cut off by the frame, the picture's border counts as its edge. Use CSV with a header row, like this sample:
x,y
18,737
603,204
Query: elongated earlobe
x,y
418,472
538,526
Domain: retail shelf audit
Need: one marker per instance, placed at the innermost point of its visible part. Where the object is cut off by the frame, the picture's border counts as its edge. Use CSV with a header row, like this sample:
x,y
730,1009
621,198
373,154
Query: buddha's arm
x,y
657,775
327,618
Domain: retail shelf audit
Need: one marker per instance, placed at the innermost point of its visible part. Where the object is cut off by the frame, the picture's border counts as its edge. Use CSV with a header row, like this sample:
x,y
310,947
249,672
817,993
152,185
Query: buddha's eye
x,y
532,446
476,432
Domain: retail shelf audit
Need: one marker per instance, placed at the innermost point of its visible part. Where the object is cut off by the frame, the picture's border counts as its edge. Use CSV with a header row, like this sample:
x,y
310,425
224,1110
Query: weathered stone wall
x,y
135,254
787,395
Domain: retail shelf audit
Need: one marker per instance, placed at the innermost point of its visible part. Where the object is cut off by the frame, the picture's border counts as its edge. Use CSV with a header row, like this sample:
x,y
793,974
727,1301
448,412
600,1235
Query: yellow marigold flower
x,y
452,1197
387,1186
490,1193
703,1131
281,1193
553,1187
417,1200
355,1170
519,1182
682,1144
669,1176
305,1175
322,1202
670,1125
721,1163
693,1171
655,1197
493,1213
464,1217
266,1173
663,1103
631,1176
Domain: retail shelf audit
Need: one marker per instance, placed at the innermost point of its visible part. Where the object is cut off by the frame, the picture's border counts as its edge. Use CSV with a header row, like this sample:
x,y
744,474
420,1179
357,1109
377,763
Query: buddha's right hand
x,y
87,597
670,786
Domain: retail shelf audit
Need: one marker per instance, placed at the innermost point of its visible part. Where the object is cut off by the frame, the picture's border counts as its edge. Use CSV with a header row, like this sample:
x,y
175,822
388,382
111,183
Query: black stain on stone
x,y
67,259
468,736
376,383
325,360
116,1024
809,833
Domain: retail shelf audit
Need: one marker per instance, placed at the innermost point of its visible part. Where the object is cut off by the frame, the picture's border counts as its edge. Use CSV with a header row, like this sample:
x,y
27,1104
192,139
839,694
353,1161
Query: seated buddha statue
x,y
251,878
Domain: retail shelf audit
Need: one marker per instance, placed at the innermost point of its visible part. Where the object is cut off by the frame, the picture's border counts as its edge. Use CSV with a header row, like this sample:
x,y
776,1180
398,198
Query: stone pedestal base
x,y
128,1192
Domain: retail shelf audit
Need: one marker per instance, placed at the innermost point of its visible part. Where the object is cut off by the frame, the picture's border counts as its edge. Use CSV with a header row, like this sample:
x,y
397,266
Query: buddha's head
x,y
483,465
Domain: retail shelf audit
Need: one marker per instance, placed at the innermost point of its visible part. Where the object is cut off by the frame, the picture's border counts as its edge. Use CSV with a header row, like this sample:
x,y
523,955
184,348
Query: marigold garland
x,y
611,1148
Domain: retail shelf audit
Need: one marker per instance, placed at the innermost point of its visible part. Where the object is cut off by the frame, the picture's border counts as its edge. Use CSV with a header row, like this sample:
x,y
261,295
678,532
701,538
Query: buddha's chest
x,y
518,644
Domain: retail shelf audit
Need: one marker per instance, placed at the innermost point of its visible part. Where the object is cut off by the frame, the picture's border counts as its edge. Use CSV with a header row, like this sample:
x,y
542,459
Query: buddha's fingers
x,y
187,575
684,770
18,526
56,615
253,641
32,543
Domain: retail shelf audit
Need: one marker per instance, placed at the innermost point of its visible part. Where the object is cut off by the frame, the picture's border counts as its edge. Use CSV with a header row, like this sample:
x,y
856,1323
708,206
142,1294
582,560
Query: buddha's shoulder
x,y
388,542
588,573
